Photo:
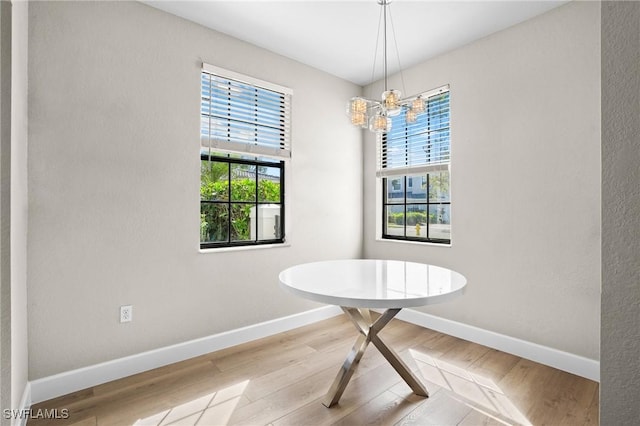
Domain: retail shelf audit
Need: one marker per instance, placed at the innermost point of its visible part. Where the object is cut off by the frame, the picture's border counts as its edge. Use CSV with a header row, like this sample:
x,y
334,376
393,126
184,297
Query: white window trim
x,y
286,159
383,173
212,69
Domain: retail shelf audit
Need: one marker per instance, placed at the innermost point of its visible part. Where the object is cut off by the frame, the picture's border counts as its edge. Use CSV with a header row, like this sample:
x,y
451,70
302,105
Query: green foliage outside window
x,y
214,222
413,218
241,190
439,187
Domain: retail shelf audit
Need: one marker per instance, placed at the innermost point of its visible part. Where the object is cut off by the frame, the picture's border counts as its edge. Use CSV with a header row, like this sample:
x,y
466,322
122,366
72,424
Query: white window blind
x,y
419,147
241,114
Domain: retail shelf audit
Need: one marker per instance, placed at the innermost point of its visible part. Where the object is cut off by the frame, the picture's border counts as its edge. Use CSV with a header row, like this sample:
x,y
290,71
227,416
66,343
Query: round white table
x,y
357,285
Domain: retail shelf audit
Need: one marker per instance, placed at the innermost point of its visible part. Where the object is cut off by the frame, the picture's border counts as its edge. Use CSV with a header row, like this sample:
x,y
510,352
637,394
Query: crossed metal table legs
x,y
369,330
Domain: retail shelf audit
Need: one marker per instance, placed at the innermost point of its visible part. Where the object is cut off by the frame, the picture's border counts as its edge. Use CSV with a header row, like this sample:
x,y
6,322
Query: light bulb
x,y
418,105
358,105
380,123
358,119
411,116
391,99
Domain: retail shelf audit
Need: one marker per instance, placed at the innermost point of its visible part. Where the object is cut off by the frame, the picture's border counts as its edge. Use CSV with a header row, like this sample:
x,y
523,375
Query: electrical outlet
x,y
126,313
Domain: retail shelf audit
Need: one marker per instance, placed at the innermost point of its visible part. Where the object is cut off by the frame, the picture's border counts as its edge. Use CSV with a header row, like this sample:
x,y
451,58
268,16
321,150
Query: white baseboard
x,y
71,381
564,361
82,378
23,409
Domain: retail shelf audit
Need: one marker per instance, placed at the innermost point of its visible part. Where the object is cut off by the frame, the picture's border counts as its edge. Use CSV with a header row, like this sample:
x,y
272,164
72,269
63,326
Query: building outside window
x,y
414,165
244,149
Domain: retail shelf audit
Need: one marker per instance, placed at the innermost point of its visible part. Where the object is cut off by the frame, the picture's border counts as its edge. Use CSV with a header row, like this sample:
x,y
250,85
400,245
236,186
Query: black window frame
x,y
428,203
221,158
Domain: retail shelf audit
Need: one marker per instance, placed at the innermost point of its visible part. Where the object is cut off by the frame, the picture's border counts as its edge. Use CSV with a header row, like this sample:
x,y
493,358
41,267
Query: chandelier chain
x,y
395,41
384,51
375,52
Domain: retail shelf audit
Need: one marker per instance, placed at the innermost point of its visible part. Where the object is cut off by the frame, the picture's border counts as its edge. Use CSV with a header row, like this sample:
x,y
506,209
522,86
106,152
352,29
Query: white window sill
x,y
418,243
242,248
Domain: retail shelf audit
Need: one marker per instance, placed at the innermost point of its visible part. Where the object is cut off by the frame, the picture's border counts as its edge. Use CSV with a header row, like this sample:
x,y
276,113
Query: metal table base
x,y
369,331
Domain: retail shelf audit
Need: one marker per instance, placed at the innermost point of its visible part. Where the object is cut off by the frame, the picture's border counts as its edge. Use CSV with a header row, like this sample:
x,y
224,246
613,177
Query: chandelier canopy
x,y
375,114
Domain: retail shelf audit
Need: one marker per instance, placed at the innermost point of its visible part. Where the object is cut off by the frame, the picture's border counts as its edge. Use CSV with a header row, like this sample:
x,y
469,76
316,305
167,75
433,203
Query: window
x,y
413,163
244,149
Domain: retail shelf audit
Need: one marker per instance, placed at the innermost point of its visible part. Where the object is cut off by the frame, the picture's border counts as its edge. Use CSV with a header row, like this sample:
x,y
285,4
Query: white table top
x,y
363,283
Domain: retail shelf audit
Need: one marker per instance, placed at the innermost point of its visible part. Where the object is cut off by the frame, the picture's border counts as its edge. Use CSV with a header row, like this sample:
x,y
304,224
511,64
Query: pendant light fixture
x,y
376,115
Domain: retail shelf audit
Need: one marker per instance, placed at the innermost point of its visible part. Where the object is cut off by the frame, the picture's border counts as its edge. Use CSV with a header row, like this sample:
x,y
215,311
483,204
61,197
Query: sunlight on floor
x,y
480,391
214,408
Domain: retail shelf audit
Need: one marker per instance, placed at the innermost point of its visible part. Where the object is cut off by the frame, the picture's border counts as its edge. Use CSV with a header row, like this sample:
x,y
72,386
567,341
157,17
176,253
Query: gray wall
x,y
114,195
620,363
525,185
114,184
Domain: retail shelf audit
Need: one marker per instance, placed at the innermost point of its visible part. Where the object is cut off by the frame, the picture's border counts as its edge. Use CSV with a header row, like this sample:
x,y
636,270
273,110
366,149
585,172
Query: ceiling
x,y
339,37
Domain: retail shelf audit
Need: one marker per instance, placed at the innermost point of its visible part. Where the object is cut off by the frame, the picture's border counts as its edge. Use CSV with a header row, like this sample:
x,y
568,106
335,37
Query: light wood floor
x,y
280,380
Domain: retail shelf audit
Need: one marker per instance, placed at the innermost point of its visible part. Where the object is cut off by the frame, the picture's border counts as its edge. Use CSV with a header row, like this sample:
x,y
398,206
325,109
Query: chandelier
x,y
376,115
